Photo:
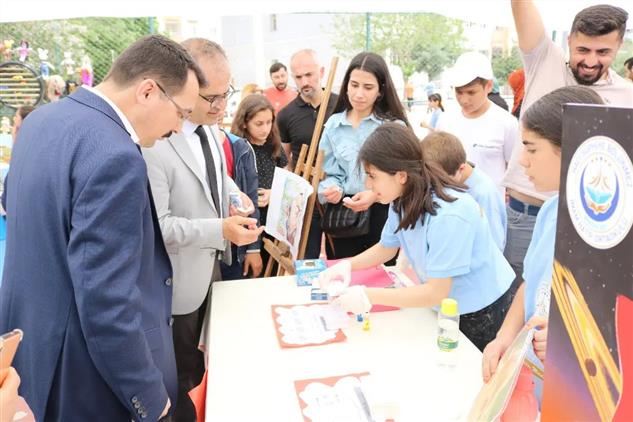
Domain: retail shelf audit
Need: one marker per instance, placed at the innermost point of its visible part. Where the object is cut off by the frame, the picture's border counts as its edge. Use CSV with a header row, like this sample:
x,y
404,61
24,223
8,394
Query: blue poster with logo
x,y
589,361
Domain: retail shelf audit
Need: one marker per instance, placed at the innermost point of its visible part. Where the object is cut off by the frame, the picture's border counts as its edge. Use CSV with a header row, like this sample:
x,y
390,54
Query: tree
x,y
414,41
625,52
503,65
101,39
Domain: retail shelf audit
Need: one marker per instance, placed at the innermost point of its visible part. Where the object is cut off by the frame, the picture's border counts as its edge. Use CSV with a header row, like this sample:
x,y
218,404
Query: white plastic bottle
x,y
448,332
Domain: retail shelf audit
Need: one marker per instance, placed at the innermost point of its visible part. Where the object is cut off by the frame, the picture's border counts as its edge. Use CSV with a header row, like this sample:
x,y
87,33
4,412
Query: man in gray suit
x,y
191,190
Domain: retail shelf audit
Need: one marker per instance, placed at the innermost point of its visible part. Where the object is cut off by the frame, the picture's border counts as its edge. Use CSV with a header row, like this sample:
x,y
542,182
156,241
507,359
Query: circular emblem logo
x,y
600,192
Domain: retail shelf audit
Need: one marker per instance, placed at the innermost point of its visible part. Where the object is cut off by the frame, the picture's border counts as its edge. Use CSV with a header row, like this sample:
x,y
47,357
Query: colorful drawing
x,y
288,199
494,395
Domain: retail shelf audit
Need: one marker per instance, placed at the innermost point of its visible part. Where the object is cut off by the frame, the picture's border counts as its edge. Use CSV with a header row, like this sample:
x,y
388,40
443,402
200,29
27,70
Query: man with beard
x,y
297,120
279,94
595,38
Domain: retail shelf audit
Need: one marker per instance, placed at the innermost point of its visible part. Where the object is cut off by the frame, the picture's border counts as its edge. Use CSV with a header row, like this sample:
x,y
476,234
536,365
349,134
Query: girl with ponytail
x,y
440,229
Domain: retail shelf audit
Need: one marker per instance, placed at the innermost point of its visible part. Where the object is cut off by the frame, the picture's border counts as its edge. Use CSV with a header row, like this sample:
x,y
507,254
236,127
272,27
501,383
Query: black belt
x,y
523,208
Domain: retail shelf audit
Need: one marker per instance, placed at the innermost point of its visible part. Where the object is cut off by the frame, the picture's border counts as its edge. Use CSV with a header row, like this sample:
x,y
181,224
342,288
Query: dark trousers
x,y
351,246
189,360
313,248
482,326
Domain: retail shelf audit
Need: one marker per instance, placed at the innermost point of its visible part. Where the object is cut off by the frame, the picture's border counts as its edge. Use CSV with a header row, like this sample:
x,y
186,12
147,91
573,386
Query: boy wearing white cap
x,y
487,132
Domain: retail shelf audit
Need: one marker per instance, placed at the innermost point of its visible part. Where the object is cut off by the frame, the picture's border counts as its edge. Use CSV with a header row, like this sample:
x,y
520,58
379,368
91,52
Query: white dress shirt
x,y
193,140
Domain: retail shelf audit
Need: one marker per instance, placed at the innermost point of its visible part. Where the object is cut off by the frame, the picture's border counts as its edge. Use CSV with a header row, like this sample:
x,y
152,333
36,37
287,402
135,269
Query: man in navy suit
x,y
87,277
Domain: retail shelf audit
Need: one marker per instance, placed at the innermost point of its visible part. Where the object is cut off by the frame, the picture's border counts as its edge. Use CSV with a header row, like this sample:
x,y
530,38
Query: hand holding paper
x,y
336,278
540,336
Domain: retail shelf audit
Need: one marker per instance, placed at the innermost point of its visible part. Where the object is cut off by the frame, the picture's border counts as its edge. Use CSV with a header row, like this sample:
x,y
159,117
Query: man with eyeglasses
x,y
188,176
86,276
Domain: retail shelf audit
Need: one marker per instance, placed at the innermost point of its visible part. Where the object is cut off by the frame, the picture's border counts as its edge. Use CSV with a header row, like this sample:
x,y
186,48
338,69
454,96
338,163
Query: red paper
x,y
340,335
301,385
371,277
624,315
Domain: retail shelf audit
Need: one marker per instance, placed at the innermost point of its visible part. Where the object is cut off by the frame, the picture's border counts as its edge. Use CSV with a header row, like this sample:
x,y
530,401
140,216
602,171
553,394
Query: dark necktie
x,y
210,164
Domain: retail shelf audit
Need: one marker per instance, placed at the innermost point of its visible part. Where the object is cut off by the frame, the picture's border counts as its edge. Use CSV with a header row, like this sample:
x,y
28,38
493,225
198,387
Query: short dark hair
x,y
156,57
601,19
545,116
276,67
628,63
387,105
444,149
391,148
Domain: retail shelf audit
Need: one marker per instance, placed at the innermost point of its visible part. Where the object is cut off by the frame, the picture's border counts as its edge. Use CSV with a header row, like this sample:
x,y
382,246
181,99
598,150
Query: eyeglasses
x,y
211,99
183,114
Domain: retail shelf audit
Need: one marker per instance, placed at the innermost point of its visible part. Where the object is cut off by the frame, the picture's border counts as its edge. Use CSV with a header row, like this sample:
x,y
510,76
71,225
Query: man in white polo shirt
x,y
487,131
595,38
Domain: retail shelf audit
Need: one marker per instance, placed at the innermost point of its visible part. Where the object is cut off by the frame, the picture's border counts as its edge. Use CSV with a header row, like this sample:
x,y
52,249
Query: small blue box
x,y
308,270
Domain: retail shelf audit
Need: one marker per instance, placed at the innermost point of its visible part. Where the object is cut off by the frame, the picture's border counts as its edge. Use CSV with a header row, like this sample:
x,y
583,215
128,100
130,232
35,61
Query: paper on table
x,y
305,325
333,399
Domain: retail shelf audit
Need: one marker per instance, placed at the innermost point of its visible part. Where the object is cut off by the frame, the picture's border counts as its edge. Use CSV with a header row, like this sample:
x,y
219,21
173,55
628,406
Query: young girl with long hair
x,y
436,108
542,127
367,99
441,230
255,121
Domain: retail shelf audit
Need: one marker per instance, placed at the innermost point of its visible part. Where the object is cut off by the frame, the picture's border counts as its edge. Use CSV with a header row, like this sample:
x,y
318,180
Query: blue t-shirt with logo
x,y
455,243
539,261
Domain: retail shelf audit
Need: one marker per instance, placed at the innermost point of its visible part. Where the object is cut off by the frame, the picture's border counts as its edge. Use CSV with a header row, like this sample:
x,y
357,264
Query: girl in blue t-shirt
x,y
542,128
440,229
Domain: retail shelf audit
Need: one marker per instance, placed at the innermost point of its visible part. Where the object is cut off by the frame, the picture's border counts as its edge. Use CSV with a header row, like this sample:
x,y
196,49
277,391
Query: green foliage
x,y
502,65
414,41
101,39
625,52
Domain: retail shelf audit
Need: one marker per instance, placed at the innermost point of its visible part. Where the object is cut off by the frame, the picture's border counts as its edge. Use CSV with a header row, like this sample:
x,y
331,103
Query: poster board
x,y
288,200
589,340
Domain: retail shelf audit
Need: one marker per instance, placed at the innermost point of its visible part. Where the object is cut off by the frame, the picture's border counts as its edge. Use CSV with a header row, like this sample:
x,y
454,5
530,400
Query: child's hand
x,y
353,299
540,336
491,357
361,201
336,278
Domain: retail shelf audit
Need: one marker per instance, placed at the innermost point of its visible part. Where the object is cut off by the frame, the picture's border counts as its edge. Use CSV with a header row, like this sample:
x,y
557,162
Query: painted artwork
x,y
288,199
495,394
589,364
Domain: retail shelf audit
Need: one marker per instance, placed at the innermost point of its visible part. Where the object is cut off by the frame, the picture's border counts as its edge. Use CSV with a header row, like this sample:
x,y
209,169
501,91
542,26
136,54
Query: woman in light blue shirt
x,y
367,99
542,126
440,229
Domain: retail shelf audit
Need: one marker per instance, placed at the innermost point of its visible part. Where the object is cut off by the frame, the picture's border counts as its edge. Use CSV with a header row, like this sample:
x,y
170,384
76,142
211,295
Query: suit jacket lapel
x,y
179,143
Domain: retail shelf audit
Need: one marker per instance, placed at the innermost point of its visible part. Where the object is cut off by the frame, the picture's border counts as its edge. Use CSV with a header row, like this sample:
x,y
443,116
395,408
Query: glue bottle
x,y
448,332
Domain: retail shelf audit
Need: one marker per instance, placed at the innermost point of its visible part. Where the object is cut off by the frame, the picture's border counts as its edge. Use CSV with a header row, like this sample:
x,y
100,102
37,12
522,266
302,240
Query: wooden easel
x,y
312,173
